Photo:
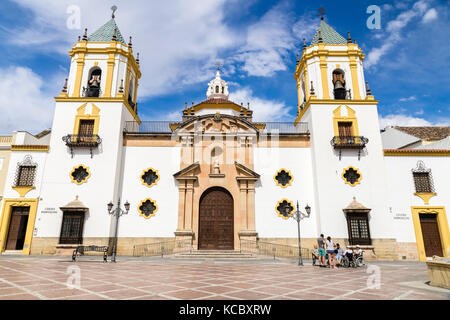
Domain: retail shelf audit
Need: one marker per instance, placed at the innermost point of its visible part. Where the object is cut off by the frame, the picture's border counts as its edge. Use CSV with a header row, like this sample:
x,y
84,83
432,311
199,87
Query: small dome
x,y
217,88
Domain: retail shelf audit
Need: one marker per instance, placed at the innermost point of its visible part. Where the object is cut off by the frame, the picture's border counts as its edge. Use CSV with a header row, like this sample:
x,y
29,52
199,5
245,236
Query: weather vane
x,y
219,64
322,13
113,8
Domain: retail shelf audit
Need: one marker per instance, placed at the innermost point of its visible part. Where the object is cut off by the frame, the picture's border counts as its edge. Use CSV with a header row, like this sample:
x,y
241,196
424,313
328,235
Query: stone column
x,y
251,206
243,205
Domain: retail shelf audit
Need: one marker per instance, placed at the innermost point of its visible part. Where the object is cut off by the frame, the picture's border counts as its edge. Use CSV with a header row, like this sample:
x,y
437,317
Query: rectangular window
x,y
422,182
345,129
86,128
358,228
25,176
72,228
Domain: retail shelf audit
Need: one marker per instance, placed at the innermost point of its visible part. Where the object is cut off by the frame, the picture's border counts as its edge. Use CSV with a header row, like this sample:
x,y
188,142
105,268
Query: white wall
x,y
267,163
166,160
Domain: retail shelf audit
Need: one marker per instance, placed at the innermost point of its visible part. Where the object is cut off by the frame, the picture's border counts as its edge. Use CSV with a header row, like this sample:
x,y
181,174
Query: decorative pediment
x,y
245,173
217,123
188,173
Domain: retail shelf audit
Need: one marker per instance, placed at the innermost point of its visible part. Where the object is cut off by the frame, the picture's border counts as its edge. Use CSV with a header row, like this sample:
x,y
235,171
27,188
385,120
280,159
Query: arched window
x,y
217,89
223,90
339,84
94,80
130,93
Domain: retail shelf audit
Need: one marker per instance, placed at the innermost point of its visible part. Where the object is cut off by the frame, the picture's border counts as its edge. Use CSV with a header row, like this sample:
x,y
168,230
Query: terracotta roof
x,y
415,150
426,133
75,205
355,205
217,101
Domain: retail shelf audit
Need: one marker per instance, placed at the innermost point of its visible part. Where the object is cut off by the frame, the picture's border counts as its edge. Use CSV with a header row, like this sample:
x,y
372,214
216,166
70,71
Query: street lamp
x,y
117,212
298,216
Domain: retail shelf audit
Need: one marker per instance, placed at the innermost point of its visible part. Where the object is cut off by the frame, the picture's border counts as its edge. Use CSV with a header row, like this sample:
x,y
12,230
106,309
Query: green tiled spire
x,y
329,35
106,32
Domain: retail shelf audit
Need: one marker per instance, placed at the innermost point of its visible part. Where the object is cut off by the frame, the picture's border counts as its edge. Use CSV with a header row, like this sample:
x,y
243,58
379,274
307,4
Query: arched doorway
x,y
216,220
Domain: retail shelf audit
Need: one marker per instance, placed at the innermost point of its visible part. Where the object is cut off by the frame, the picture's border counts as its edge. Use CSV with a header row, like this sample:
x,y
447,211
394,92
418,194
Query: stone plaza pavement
x,y
44,277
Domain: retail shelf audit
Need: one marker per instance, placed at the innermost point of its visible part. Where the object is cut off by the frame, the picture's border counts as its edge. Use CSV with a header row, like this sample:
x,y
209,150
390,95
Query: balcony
x,y
74,141
349,142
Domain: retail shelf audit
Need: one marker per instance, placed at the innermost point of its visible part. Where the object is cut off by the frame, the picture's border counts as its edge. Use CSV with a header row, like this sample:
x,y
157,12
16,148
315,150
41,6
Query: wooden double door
x,y
17,228
216,220
430,234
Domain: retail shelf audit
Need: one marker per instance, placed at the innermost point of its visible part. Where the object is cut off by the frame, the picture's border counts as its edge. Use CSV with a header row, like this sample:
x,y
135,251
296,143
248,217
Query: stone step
x,y
214,254
12,252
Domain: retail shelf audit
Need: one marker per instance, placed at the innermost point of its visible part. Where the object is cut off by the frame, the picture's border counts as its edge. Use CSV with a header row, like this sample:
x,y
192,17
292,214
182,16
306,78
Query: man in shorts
x,y
321,245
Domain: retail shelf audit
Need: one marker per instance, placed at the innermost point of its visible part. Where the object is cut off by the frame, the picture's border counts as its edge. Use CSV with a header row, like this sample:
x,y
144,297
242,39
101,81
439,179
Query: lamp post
x,y
117,212
298,216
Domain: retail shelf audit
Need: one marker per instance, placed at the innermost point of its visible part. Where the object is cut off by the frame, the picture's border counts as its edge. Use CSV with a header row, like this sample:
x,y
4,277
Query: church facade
x,y
216,178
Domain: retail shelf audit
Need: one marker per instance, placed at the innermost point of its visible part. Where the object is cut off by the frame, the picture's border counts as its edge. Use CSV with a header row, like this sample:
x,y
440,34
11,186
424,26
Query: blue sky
x,y
406,64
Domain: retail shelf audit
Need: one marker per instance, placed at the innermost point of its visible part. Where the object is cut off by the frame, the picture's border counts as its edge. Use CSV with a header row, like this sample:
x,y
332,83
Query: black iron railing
x,y
274,250
349,142
74,141
164,127
162,248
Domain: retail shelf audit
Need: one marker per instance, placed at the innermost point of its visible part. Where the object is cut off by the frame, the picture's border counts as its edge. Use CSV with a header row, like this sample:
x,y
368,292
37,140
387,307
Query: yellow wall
x,y
443,229
6,218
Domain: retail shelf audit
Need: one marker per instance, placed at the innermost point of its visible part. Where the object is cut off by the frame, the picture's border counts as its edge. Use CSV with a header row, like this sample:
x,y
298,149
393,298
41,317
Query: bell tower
x,y
86,158
346,150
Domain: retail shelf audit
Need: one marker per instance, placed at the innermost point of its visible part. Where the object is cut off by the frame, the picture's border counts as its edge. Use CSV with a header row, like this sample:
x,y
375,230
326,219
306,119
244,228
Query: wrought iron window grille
x,y
285,208
92,92
148,208
25,172
150,177
422,178
283,178
80,174
352,176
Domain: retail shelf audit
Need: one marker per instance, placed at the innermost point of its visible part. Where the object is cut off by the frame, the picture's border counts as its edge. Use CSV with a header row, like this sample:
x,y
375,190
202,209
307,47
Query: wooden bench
x,y
82,249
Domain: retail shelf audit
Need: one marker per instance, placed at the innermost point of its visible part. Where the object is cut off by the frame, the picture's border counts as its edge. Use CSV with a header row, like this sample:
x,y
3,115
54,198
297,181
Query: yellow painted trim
x,y
6,218
23,190
29,148
326,102
354,74
357,181
127,82
425,196
442,225
95,115
288,172
79,75
415,153
324,76
351,118
85,179
278,212
141,213
109,75
154,183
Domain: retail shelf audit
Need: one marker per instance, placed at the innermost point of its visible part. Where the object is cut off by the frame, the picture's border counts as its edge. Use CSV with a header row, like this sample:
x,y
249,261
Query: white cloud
x,y
394,32
178,40
402,120
411,98
24,104
263,110
268,43
430,15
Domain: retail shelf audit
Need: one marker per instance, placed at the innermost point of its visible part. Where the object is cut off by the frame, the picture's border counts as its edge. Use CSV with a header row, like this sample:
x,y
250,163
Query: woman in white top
x,y
331,252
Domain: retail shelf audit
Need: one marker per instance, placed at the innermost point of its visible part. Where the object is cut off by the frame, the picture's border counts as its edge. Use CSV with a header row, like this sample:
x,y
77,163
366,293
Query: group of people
x,y
327,248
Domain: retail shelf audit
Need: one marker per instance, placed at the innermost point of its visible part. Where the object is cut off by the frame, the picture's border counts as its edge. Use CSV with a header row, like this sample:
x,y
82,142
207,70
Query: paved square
x,y
43,277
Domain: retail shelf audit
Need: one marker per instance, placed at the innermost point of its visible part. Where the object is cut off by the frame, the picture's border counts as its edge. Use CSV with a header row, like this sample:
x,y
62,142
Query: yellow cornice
x,y
425,196
109,51
29,148
101,99
23,190
416,152
314,100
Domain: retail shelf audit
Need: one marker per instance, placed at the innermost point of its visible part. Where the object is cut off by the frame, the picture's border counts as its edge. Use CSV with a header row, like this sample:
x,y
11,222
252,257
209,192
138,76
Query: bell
x,y
338,85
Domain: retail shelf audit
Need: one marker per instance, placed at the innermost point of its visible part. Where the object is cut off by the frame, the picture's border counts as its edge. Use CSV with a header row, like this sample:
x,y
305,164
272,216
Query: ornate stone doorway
x,y
216,220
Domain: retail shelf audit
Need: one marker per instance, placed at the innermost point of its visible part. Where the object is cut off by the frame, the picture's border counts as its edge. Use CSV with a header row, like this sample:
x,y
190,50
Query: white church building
x,y
216,177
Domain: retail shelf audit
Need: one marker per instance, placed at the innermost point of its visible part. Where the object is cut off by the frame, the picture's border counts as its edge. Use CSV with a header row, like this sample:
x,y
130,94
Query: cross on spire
x,y
219,64
114,9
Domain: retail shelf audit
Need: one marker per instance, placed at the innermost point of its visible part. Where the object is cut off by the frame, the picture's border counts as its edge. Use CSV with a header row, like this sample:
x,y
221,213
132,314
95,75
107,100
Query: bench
x,y
82,249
